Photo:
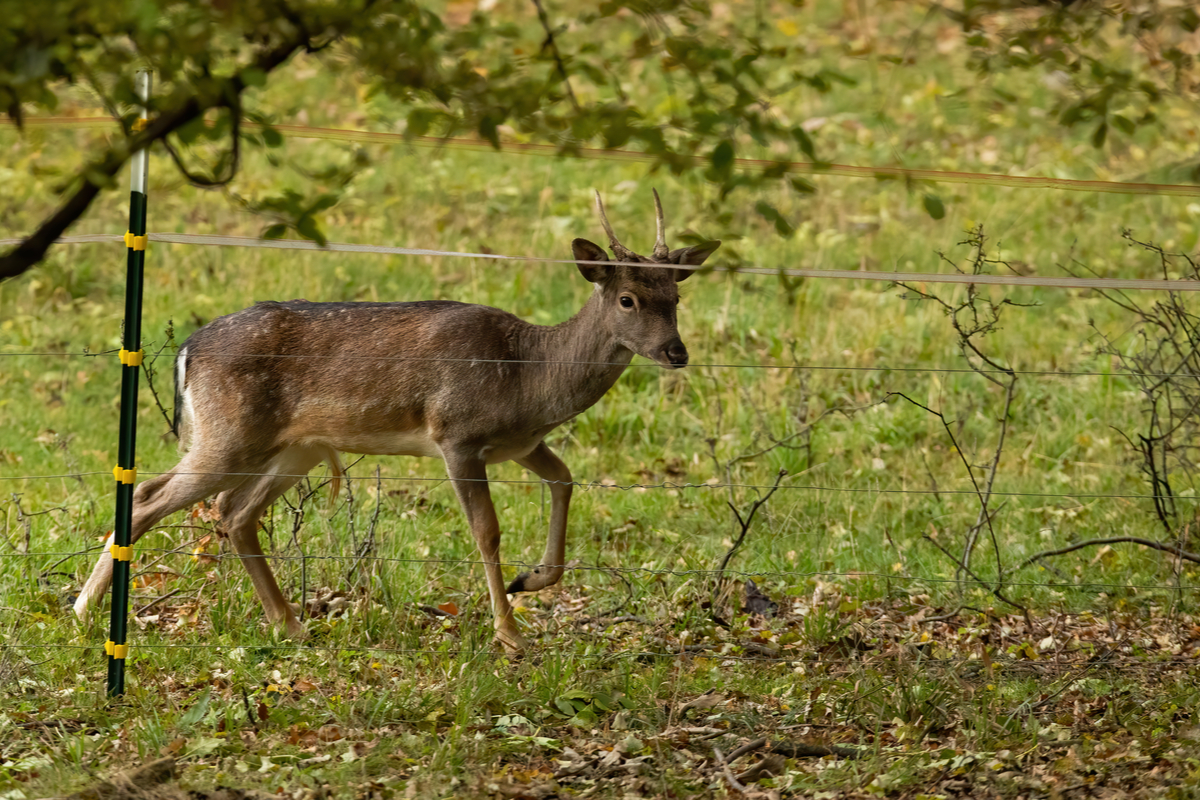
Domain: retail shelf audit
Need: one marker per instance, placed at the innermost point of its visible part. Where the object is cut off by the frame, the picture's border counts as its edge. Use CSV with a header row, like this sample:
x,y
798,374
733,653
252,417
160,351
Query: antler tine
x,y
661,253
622,252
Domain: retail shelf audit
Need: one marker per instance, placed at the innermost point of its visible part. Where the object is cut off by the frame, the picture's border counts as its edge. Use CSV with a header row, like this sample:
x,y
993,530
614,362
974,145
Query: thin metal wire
x,y
799,167
648,364
961,278
668,485
648,571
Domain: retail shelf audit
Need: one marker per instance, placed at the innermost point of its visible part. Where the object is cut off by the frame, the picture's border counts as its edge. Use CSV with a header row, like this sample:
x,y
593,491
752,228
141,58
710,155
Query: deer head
x,y
641,301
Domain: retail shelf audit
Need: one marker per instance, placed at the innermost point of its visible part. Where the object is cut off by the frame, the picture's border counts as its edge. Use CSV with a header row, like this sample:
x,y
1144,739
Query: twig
x,y
64,559
796,750
1174,549
552,44
733,782
612,612
983,501
982,317
297,521
229,166
149,371
718,580
249,713
367,547
23,521
745,523
749,747
996,590
156,601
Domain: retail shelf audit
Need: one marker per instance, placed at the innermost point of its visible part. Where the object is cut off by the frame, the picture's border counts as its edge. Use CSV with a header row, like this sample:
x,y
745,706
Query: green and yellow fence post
x,y
131,360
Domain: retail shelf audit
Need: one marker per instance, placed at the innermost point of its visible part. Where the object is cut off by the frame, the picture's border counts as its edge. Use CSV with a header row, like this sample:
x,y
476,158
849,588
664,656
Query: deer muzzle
x,y
673,354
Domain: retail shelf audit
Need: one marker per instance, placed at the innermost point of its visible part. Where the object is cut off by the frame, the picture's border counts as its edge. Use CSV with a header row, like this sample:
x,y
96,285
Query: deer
x,y
266,394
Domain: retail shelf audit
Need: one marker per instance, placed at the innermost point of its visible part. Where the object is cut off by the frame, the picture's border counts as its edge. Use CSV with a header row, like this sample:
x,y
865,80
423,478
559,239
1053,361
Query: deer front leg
x,y
551,469
469,475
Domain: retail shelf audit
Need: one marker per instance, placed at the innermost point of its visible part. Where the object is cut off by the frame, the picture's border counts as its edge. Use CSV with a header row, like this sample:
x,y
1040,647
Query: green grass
x,y
402,701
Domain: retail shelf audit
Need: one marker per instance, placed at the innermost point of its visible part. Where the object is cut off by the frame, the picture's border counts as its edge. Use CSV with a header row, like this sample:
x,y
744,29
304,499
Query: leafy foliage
x,y
1072,44
681,86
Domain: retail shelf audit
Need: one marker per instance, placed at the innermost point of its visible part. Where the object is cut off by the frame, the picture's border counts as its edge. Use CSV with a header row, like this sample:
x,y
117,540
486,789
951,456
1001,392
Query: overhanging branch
x,y
96,175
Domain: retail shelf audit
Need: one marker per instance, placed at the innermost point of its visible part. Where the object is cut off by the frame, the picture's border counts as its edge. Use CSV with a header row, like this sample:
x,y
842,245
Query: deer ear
x,y
692,256
587,251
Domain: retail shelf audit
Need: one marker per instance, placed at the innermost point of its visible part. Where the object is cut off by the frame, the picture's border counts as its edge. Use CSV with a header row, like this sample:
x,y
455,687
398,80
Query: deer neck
x,y
580,360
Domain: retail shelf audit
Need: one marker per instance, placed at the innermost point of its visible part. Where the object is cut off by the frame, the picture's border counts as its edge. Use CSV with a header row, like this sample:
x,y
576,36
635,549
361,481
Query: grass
x,y
386,698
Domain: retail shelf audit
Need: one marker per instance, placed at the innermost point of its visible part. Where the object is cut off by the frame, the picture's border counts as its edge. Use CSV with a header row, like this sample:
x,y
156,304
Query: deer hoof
x,y
514,643
518,584
536,580
290,625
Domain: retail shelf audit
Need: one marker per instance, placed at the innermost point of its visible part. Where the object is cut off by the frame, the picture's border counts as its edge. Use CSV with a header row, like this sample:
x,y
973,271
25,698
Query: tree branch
x,y
1173,549
99,173
552,44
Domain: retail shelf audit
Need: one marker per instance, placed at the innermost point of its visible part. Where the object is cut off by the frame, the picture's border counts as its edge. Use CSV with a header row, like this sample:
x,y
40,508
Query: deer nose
x,y
676,353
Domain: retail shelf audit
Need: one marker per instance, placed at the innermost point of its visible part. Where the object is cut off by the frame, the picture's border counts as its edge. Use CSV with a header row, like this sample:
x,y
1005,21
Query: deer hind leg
x,y
241,509
469,474
551,469
188,483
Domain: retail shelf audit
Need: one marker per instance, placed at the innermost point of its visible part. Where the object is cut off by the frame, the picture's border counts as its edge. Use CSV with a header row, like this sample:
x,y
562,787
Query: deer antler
x,y
622,252
661,253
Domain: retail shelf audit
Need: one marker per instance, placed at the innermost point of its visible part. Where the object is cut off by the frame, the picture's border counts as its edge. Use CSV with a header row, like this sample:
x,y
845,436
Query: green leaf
x,y
323,202
489,130
271,137
585,718
1100,134
190,131
602,701
275,231
307,227
934,206
772,215
253,76
419,121
804,142
802,186
1072,115
722,158
1123,124
197,711
204,747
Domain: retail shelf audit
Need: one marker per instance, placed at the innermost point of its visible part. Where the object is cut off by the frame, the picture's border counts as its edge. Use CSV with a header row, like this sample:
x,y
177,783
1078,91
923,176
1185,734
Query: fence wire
x,y
589,153
650,572
669,485
959,278
648,365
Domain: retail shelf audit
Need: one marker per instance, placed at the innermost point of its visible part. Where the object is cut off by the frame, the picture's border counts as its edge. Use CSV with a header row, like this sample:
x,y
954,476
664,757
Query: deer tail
x,y
338,472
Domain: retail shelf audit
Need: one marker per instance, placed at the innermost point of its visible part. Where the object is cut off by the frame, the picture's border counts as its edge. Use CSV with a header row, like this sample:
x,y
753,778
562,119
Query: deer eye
x,y
626,301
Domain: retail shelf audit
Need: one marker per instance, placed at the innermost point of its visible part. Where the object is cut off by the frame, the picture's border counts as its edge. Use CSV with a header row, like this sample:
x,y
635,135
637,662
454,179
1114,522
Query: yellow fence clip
x,y
121,553
125,475
136,242
116,650
140,124
131,358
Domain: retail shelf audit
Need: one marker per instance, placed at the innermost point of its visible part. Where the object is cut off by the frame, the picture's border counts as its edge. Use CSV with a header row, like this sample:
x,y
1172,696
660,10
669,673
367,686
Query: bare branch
x,y
551,44
1173,549
99,174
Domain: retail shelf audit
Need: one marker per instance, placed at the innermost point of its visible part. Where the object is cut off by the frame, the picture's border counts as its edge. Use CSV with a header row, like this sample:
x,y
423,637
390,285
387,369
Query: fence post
x,y
131,360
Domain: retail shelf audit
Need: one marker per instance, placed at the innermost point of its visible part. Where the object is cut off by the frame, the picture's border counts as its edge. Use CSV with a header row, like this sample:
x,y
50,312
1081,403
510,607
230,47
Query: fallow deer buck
x,y
268,393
